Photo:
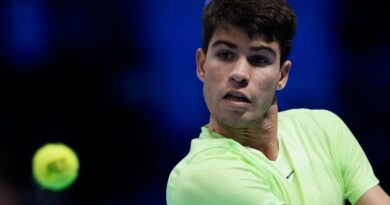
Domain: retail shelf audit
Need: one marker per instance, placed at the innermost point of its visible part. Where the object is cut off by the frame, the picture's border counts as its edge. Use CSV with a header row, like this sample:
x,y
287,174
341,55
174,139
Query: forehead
x,y
240,38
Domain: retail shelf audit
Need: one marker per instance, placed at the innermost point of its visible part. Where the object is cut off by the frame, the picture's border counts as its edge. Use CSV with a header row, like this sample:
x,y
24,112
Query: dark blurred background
x,y
116,81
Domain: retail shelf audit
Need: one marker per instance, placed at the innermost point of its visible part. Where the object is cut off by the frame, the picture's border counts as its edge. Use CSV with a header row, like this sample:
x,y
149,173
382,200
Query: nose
x,y
240,74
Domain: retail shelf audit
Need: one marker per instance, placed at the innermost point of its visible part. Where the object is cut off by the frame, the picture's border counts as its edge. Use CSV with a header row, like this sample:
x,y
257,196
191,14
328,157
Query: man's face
x,y
240,76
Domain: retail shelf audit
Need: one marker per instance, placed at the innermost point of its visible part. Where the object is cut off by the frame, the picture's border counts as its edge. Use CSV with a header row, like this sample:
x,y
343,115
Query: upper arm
x,y
352,164
374,196
357,173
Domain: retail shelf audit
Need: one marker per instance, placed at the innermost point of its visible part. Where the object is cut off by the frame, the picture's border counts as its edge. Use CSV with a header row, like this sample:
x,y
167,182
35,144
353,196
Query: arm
x,y
359,181
374,196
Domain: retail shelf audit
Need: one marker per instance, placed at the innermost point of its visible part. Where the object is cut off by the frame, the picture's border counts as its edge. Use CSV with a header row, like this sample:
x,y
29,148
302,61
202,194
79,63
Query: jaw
x,y
235,117
243,115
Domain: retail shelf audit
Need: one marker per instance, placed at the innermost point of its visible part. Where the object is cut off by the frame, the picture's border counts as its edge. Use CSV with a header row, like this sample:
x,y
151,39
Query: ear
x,y
284,71
200,59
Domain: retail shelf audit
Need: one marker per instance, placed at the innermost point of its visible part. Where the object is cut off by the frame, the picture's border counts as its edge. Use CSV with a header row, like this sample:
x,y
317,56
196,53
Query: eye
x,y
259,60
226,55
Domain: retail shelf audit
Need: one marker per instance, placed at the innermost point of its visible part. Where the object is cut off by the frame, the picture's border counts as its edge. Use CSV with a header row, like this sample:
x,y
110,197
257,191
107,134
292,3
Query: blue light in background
x,y
27,32
171,35
315,58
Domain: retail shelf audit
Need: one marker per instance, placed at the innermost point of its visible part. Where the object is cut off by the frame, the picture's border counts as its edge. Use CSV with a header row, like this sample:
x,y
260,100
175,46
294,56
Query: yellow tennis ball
x,y
55,166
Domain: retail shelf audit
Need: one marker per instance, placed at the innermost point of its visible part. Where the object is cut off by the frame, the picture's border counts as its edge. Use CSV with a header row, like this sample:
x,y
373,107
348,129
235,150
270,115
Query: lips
x,y
236,96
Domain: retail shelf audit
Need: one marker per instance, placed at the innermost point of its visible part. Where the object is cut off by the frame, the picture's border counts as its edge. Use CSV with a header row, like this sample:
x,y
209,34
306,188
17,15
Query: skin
x,y
236,63
374,196
250,67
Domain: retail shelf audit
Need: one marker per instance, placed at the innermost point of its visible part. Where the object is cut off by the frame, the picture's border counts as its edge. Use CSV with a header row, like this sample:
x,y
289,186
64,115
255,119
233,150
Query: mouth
x,y
236,97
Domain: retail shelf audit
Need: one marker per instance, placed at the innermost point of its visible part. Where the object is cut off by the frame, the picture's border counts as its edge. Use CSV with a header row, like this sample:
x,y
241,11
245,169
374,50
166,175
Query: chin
x,y
237,120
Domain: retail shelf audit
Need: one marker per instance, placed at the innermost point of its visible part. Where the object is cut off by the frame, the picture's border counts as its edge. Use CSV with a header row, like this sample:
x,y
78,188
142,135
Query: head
x,y
244,58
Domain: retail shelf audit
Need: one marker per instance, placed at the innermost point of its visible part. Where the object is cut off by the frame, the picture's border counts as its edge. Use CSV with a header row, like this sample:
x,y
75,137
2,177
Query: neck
x,y
261,135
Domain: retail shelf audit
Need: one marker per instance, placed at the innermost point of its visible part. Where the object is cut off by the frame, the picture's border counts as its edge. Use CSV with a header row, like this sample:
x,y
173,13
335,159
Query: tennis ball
x,y
55,166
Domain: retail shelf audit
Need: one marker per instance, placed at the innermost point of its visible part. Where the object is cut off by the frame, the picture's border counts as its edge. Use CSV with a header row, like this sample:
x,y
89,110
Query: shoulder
x,y
215,176
313,127
311,117
303,112
207,168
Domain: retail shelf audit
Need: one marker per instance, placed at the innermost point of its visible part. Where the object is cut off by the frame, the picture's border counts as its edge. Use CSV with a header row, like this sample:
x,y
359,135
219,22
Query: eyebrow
x,y
252,48
226,43
260,48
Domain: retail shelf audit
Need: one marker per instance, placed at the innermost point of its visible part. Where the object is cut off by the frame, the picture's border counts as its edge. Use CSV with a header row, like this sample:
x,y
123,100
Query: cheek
x,y
270,85
213,84
214,77
268,81
213,71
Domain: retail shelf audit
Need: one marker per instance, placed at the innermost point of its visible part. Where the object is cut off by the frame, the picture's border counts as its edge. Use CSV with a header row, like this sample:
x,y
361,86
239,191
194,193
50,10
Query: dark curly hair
x,y
273,19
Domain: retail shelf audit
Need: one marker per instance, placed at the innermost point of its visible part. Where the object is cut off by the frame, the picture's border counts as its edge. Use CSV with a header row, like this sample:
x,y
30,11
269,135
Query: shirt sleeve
x,y
356,171
216,182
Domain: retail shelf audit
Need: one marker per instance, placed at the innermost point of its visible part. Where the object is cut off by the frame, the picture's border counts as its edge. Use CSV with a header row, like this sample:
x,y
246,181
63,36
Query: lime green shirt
x,y
319,162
